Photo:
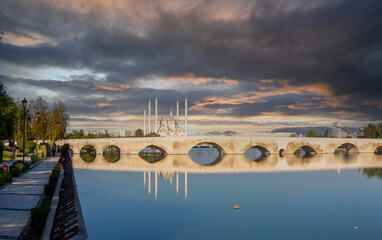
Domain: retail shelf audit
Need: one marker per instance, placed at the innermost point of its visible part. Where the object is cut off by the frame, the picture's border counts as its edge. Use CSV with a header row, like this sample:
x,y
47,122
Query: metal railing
x,y
68,222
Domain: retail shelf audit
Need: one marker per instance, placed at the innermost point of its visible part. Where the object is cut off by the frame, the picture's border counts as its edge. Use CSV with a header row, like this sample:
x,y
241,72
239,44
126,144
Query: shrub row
x,y
18,167
4,178
14,171
46,149
34,158
39,214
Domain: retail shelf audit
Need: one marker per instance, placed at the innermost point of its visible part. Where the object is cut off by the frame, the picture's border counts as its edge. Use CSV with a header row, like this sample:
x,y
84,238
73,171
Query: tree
x,y
326,133
372,131
7,116
40,118
152,134
312,133
293,135
58,121
138,133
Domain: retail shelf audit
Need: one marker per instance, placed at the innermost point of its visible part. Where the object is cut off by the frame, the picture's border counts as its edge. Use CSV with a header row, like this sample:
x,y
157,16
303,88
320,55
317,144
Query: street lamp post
x,y
44,130
24,106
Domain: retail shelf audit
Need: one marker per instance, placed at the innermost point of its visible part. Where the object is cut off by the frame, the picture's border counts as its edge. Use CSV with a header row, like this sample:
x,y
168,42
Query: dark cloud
x,y
336,43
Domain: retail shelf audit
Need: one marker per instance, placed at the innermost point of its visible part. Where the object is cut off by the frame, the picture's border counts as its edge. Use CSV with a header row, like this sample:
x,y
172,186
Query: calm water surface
x,y
187,197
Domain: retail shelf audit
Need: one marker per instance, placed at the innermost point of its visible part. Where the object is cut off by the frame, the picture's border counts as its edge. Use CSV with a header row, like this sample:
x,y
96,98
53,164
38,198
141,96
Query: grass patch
x,y
7,155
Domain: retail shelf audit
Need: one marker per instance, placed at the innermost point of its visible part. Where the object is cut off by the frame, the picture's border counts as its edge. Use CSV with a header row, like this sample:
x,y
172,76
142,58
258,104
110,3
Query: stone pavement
x,y
20,196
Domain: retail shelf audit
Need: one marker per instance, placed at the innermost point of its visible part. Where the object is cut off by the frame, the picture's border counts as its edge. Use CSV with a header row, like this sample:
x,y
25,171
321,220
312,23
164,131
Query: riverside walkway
x,y
20,196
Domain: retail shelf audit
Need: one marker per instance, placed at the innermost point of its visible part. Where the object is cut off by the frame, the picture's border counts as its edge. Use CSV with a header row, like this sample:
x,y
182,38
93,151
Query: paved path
x,y
20,196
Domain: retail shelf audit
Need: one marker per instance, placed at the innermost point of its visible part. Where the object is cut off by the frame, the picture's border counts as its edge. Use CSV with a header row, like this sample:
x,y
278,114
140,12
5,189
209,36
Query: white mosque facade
x,y
167,126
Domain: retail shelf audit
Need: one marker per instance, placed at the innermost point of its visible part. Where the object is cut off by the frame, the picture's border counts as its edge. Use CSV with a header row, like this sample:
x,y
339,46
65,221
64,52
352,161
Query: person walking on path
x,y
53,150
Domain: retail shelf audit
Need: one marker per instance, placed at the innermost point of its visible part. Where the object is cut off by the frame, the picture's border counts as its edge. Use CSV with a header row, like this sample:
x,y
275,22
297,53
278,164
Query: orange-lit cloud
x,y
25,40
94,86
278,87
201,80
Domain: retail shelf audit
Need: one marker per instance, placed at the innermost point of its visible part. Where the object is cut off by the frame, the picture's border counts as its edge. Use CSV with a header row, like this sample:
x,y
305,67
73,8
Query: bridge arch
x,y
111,153
346,148
378,150
214,145
154,148
305,151
256,153
262,149
88,153
152,153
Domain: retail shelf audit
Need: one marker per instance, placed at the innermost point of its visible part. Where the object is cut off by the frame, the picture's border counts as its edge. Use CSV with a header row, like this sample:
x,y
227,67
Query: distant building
x,y
360,133
86,133
340,132
101,132
123,133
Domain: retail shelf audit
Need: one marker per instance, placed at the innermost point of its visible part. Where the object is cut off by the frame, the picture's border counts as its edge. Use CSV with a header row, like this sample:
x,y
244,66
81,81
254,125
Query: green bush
x,y
19,165
2,181
49,188
38,217
47,147
1,152
26,165
41,154
6,176
34,158
15,171
30,145
44,148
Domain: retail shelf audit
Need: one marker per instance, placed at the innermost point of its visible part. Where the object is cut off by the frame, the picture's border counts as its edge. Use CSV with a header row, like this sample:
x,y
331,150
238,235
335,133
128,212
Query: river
x,y
325,196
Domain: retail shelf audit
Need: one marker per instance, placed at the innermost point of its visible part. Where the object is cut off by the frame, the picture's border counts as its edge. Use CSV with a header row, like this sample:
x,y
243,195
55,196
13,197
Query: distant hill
x,y
218,133
303,130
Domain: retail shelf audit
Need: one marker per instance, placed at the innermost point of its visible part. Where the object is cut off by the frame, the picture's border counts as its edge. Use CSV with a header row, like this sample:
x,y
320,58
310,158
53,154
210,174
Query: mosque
x,y
167,126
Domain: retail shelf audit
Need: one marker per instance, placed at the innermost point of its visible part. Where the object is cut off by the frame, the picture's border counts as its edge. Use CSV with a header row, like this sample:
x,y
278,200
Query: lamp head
x,y
24,102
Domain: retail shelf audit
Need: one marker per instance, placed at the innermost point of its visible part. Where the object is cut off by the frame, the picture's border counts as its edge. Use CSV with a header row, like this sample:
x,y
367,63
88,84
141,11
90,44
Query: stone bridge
x,y
234,163
227,145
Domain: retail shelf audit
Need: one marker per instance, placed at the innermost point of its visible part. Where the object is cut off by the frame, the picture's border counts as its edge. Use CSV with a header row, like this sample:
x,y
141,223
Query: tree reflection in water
x,y
372,172
112,154
88,153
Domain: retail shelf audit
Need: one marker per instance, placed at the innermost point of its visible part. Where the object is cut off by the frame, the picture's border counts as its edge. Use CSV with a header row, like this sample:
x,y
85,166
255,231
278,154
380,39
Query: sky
x,y
246,66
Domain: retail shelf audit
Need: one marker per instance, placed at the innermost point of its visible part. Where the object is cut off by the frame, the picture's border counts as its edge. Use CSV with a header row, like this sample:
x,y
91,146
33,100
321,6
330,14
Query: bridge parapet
x,y
226,145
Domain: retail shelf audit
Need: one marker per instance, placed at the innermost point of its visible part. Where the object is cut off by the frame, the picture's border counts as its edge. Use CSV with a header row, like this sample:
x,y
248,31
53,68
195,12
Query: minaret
x,y
149,117
156,115
144,121
185,118
177,110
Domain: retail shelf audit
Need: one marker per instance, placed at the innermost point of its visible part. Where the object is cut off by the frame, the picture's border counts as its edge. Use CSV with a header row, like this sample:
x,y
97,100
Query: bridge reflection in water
x,y
171,166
